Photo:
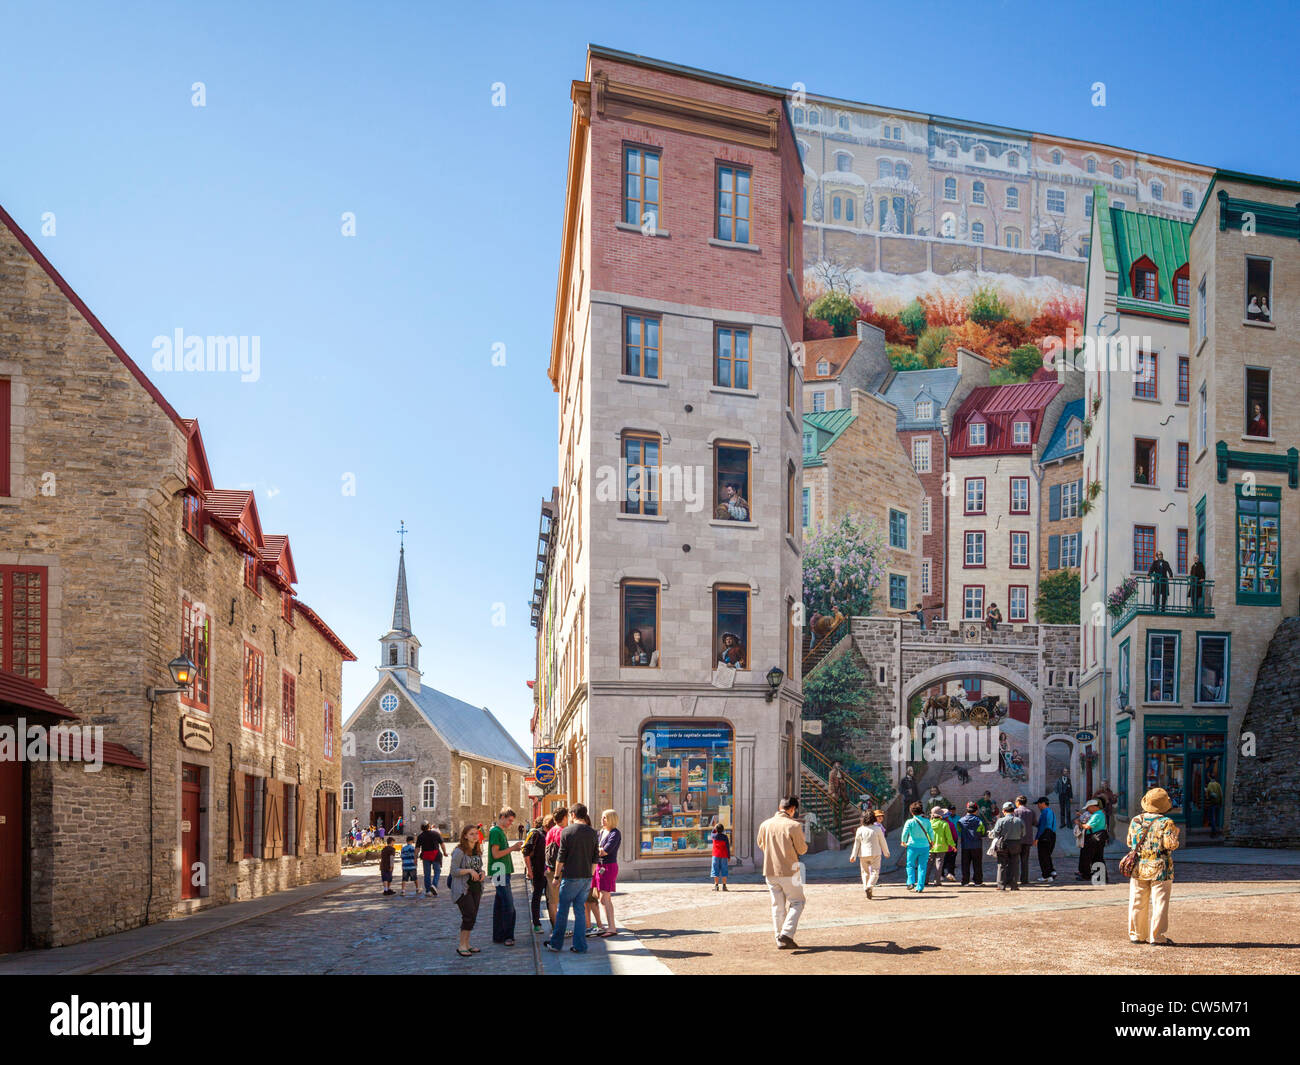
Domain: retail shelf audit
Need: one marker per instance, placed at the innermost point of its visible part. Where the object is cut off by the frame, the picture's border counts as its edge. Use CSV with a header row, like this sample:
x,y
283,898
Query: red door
x,y
13,864
190,850
1017,706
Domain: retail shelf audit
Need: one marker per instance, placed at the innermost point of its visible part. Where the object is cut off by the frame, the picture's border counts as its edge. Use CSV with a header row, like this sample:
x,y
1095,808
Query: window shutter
x,y
235,817
320,819
1054,503
5,391
1078,489
300,812
1053,552
272,830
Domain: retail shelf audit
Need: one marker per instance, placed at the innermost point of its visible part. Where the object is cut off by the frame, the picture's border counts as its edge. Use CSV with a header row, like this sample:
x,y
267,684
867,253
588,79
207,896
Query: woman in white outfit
x,y
870,845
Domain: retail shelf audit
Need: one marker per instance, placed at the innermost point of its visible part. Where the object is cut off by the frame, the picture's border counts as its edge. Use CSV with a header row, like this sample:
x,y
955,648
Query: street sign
x,y
812,728
1085,735
544,767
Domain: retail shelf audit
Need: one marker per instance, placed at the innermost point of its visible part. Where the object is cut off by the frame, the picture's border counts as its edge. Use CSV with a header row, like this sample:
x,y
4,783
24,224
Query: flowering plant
x,y
843,564
1121,595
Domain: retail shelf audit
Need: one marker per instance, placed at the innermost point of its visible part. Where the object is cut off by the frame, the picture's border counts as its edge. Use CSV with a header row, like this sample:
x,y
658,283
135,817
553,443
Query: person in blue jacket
x,y
916,839
972,845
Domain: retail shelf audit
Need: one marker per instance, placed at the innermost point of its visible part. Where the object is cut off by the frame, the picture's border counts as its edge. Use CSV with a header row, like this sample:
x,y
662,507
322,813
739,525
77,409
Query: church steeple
x,y
398,648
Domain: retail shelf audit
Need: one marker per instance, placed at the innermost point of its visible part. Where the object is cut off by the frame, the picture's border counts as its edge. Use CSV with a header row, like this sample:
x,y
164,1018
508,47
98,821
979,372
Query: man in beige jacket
x,y
781,840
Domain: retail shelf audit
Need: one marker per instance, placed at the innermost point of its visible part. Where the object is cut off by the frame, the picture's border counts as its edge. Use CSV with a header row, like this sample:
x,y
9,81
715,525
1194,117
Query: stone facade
x,y
932,543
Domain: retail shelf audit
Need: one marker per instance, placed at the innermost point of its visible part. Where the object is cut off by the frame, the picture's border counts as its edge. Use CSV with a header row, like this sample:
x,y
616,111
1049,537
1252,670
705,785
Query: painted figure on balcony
x,y
1197,573
1160,573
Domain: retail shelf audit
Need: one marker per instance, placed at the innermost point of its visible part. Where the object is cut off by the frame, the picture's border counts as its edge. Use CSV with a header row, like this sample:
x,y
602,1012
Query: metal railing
x,y
820,648
1175,596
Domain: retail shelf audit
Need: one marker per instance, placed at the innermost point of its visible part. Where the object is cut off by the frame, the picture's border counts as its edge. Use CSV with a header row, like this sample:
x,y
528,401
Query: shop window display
x,y
1259,545
687,786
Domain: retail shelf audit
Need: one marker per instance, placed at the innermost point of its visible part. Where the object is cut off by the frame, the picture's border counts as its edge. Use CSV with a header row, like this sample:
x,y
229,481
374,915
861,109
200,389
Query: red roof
x,y
835,350
276,554
20,694
998,406
236,509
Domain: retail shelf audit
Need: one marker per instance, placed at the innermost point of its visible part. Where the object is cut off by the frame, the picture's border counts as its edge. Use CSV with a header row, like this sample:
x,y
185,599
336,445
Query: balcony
x,y
1178,602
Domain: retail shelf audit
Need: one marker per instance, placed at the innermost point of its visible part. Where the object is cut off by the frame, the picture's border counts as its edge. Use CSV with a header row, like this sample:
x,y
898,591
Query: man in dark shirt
x,y
579,845
430,848
1160,573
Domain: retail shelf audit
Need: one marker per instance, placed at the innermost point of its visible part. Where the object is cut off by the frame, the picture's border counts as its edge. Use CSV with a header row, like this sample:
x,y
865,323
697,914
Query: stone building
x,y
834,367
117,556
416,753
1060,473
679,403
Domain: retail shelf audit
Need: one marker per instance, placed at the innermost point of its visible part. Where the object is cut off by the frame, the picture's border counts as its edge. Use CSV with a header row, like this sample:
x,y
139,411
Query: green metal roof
x,y
1127,236
827,425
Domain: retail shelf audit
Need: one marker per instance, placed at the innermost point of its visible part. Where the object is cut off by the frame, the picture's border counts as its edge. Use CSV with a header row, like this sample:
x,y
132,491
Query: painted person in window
x,y
1258,423
636,652
992,617
733,652
737,508
1160,572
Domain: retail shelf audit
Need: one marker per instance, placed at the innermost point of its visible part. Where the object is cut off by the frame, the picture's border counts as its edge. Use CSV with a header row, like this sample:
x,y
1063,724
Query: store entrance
x,y
1204,814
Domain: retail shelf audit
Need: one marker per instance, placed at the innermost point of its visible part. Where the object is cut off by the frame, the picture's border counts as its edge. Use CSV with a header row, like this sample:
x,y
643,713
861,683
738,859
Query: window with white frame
x,y
1056,158
483,786
977,192
921,454
464,784
1020,550
924,410
975,495
388,741
1070,499
1018,603
925,516
1162,667
1056,201
819,402
1020,433
1090,164
1202,431
349,795
1117,170
823,368
977,434
1157,191
1013,198
1019,495
973,602
1189,199
1013,160
429,794
925,576
1070,551
977,232
950,188
974,549
1200,309
1073,434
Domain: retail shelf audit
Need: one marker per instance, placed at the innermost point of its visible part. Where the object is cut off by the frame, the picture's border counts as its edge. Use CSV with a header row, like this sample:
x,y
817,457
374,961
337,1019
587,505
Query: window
x,y
1200,528
641,346
924,411
791,241
640,186
925,577
1018,602
731,626
1013,159
1202,429
897,591
1122,679
192,517
980,154
388,741
1147,376
1157,191
252,795
733,204
483,786
349,795
921,454
925,516
288,709
1069,558
328,743
1182,464
1056,201
1019,550
1090,164
1180,562
1212,663
1117,170
791,515
977,192
1074,434
897,529
731,356
1012,237
250,571
1182,287
974,550
951,149
1257,408
1144,547
836,208
807,509
640,623
819,402
464,784
23,622
823,368
1189,199
641,459
687,783
1019,495
1052,242
973,602
1013,198
977,232
251,705
848,208
1146,280
950,188
1056,158
1259,545
977,434
195,642
798,115
843,162
809,444
974,495
1162,667
1144,461
1184,378
1020,432
1117,204
731,482
814,118
1070,493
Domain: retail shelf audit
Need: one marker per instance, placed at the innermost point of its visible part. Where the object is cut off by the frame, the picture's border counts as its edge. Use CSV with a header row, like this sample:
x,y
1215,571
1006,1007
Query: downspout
x,y
1103,733
148,902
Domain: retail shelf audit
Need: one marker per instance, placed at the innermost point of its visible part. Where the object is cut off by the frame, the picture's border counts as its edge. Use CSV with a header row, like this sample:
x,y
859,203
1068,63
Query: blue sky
x,y
376,350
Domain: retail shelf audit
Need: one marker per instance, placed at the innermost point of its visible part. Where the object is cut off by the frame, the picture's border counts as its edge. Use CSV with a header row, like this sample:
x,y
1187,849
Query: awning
x,y
20,696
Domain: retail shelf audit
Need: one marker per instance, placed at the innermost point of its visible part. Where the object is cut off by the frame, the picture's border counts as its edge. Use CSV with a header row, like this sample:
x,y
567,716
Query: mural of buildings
x,y
1060,491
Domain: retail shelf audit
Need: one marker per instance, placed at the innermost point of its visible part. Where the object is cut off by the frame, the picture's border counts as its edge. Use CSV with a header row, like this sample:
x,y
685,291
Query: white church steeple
x,y
399,650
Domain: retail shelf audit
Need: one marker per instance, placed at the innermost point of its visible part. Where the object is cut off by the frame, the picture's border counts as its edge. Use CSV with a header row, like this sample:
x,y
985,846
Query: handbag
x,y
1129,863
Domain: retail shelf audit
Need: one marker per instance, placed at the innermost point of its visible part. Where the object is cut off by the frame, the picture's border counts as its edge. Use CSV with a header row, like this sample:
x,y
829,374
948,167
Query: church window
x,y
388,741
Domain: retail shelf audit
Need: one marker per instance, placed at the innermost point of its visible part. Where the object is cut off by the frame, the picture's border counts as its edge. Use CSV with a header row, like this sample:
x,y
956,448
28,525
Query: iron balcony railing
x,y
1175,596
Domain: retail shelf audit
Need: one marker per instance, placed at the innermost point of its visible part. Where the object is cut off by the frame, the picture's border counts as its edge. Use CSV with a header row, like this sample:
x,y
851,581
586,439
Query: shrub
x,y
902,357
943,310
816,329
895,331
837,309
1058,598
1025,361
986,307
913,318
930,346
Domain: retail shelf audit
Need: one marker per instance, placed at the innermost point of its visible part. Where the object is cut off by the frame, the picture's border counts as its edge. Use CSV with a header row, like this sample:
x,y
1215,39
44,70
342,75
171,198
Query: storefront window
x,y
687,786
1182,755
1259,545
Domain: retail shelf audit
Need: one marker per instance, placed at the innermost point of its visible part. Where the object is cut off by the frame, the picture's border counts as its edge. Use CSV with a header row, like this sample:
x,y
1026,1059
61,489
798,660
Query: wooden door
x,y
191,852
13,860
389,809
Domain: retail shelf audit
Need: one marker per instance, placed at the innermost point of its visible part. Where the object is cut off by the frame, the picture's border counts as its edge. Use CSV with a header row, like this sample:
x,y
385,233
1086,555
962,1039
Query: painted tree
x,y
843,565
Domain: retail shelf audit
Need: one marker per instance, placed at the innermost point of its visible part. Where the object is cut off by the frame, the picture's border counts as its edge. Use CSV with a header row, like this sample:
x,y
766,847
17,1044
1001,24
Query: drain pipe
x,y
1103,732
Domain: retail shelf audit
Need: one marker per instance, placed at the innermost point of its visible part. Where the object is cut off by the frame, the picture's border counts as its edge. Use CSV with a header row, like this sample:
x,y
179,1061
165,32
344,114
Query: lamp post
x,y
182,671
775,676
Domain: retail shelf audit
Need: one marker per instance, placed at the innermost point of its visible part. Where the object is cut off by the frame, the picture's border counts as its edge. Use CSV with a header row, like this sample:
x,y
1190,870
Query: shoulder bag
x,y
1129,863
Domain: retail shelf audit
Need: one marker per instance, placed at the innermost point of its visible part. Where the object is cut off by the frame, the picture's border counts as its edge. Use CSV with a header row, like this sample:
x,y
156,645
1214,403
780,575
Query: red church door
x,y
13,860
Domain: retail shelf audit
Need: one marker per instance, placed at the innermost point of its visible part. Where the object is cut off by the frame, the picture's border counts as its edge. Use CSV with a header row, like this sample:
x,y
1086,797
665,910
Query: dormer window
x,y
1020,432
1146,280
823,368
1074,434
924,409
808,447
1157,191
193,516
1117,170
980,155
951,150
1013,160
1182,287
1056,158
977,434
1090,165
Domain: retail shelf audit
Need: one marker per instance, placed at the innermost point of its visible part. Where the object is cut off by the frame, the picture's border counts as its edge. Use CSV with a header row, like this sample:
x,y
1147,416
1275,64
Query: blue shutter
x,y
1078,489
1053,552
1054,503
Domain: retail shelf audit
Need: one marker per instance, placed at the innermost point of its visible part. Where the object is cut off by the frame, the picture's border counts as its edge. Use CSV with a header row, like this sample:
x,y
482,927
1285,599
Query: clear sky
x,y
377,349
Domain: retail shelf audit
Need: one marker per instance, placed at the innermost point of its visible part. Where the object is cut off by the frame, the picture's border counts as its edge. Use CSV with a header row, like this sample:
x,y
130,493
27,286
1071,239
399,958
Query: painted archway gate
x,y
1033,671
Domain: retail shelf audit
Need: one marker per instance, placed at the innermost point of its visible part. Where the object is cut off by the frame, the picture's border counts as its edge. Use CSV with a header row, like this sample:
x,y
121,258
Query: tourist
x,y
1108,799
534,854
973,831
574,865
561,821
721,855
606,877
1197,575
1092,850
941,841
1155,838
1026,814
1065,796
986,808
1006,836
1213,803
500,867
355,831
386,866
781,840
950,860
916,838
465,881
408,868
1046,839
870,846
430,847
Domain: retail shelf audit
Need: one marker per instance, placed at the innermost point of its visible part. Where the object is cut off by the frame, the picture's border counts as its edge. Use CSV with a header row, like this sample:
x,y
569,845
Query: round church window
x,y
388,741
388,702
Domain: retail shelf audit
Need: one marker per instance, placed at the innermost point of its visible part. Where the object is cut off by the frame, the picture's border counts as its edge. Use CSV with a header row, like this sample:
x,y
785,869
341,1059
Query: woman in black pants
x,y
535,865
465,879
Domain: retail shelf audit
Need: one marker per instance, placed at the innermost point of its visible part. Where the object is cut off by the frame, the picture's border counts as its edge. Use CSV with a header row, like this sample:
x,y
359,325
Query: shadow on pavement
x,y
881,946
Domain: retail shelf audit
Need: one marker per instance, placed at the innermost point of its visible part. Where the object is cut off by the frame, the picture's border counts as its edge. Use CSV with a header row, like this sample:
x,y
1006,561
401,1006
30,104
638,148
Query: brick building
x,y
1060,490
417,753
118,556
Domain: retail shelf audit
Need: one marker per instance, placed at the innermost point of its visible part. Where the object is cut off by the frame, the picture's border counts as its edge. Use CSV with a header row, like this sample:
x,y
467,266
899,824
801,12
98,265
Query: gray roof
x,y
469,729
401,601
908,384
1056,448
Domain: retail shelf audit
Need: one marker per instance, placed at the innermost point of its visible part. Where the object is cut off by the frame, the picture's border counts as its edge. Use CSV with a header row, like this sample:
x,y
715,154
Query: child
x,y
408,867
721,856
386,866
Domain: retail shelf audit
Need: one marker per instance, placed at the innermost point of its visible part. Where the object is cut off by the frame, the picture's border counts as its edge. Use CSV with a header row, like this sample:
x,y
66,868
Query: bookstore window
x,y
1259,545
686,786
